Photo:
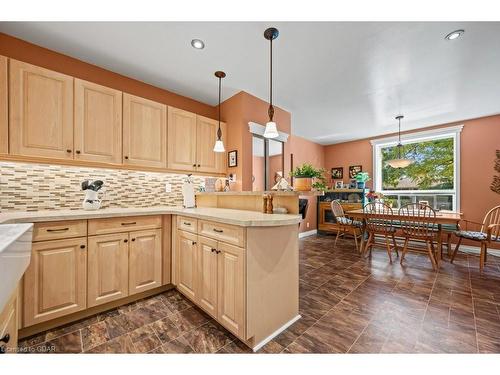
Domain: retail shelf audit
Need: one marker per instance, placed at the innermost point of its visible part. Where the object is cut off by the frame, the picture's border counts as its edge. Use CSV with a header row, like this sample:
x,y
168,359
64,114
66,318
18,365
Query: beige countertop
x,y
258,193
221,215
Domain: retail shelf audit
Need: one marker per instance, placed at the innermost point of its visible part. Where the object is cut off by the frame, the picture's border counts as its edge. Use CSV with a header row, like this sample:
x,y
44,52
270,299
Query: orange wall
x,y
480,138
36,55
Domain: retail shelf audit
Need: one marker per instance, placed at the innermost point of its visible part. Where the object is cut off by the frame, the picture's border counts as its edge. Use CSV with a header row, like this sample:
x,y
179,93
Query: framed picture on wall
x,y
337,173
354,170
232,158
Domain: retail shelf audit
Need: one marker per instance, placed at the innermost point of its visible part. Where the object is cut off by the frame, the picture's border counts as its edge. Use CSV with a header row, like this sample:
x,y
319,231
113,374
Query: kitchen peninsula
x,y
240,267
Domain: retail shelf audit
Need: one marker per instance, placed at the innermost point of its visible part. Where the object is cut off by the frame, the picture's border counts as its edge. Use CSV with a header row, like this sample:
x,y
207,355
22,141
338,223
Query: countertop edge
x,y
15,217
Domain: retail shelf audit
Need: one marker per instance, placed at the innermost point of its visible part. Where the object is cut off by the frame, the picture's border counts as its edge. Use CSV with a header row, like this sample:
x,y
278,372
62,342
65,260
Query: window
x,y
433,176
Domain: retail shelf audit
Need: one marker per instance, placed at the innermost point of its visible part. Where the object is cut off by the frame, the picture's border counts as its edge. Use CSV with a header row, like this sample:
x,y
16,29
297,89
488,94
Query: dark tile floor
x,y
348,305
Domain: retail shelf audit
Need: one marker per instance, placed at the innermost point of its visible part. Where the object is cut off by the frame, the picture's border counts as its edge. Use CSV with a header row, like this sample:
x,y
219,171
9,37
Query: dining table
x,y
445,221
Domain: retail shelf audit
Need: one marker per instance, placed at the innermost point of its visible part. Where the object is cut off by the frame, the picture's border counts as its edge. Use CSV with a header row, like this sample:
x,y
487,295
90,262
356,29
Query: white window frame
x,y
427,135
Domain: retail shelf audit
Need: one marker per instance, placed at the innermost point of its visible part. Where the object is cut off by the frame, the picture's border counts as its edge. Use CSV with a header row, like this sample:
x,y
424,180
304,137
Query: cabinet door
x,y
181,139
41,112
4,120
55,283
144,260
107,268
206,134
98,123
207,272
186,264
144,132
231,288
8,324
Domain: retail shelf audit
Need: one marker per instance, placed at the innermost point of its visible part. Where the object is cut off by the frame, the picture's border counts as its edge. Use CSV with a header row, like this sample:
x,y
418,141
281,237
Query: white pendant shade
x,y
219,146
271,130
399,163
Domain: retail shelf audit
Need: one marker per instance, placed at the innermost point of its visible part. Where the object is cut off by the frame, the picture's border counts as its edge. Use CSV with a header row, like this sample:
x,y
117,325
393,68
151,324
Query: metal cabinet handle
x,y
77,151
82,246
58,230
69,151
218,230
130,223
212,250
186,223
125,241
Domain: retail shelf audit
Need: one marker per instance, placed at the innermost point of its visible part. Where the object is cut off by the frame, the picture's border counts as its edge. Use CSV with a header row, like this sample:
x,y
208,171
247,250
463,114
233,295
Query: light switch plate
x,y
168,187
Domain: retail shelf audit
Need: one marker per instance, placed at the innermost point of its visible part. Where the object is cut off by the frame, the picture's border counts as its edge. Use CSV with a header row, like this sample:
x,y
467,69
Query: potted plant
x,y
303,177
361,179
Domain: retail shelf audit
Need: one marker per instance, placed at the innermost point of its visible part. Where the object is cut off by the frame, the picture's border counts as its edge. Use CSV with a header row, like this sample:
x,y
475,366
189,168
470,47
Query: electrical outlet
x,y
168,187
307,225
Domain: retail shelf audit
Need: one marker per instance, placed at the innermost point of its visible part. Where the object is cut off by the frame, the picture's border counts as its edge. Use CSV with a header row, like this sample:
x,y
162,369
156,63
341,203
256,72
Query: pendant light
x,y
271,130
219,145
399,162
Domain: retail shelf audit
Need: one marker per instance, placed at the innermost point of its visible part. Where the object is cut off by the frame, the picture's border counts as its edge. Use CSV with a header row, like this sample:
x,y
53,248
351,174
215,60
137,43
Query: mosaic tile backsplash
x,y
34,187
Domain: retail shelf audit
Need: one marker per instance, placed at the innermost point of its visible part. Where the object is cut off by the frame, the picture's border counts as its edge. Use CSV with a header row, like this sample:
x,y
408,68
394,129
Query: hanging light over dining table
x,y
271,130
219,145
399,162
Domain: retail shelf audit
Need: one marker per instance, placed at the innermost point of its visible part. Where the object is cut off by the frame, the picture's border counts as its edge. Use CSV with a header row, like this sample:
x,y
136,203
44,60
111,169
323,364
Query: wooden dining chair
x,y
381,225
418,223
489,232
346,225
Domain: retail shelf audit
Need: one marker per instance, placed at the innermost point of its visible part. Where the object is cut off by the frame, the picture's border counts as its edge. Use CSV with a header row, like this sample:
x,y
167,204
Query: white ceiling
x,y
340,80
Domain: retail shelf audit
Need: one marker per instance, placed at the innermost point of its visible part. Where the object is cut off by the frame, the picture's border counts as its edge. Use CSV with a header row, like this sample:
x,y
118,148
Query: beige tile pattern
x,y
34,187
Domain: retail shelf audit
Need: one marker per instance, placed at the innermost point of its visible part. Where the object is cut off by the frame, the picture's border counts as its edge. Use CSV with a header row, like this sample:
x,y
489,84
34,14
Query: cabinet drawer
x,y
187,223
123,224
56,230
222,232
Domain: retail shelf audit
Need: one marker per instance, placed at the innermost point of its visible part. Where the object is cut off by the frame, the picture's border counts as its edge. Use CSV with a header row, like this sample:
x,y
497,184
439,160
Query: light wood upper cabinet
x,y
207,271
144,132
181,139
145,256
41,112
107,268
231,288
206,134
186,263
98,123
55,283
4,113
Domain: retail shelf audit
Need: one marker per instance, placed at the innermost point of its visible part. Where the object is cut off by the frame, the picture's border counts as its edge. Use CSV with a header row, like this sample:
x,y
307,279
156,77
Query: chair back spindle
x,y
418,220
492,217
337,210
381,224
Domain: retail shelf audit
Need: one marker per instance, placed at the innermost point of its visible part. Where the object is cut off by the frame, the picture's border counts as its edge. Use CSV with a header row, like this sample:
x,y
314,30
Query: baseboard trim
x,y
275,333
308,233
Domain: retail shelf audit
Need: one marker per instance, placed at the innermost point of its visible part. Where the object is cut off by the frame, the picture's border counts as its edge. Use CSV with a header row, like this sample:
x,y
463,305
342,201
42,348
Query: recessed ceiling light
x,y
454,34
198,44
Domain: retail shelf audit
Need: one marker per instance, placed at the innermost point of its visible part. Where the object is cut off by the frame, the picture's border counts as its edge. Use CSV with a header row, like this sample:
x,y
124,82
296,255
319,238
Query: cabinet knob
x,y
82,246
194,165
199,165
133,239
5,339
193,242
69,151
213,250
77,151
125,240
126,157
217,251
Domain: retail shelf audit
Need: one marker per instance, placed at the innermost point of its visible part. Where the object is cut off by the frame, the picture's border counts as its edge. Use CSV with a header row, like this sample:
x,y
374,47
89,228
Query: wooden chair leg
x,y
337,236
431,255
456,250
395,245
388,248
369,244
405,250
434,252
448,244
482,257
355,238
485,253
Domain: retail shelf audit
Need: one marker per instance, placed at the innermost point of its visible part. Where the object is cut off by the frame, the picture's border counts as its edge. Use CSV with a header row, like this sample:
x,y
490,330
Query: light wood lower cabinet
x,y
207,275
212,274
231,288
55,283
145,268
9,325
186,263
108,270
